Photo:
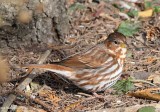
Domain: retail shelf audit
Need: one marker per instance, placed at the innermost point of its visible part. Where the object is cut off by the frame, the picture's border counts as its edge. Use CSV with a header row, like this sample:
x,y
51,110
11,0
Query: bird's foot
x,y
100,97
95,96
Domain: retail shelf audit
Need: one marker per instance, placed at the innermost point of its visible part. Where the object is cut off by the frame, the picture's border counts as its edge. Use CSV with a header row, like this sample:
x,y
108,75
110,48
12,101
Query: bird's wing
x,y
93,58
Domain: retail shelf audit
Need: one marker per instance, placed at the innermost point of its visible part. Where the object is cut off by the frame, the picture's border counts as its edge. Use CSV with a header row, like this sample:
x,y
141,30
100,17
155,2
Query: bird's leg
x,y
109,91
100,97
95,96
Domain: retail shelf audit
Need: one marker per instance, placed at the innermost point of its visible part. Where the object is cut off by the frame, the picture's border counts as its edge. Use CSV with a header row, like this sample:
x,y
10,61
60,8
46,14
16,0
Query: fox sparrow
x,y
95,70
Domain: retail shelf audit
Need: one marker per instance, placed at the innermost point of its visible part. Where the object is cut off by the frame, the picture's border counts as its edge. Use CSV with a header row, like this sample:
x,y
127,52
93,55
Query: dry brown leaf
x,y
147,94
150,60
146,13
72,106
152,33
50,96
71,40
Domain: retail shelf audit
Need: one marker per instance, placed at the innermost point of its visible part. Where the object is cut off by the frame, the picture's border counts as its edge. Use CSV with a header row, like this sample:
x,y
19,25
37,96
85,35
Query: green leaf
x,y
124,85
147,109
128,28
157,9
76,6
133,13
147,4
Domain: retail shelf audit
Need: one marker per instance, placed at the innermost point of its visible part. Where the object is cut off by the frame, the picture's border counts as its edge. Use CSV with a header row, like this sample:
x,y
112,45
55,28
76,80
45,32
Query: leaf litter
x,y
91,23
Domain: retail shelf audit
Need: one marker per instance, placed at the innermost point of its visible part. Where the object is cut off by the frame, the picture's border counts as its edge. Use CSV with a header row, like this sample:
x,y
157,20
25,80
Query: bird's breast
x,y
101,78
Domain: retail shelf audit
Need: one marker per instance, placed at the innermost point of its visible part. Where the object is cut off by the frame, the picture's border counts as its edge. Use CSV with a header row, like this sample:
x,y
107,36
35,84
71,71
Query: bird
x,y
95,70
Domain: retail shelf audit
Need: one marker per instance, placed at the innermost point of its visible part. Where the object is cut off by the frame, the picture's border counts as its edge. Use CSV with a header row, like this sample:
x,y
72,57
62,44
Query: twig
x,y
36,100
84,94
144,81
7,103
22,85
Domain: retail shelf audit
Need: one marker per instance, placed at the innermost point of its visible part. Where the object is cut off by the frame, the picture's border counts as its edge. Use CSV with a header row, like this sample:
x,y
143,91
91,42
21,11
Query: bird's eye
x,y
115,42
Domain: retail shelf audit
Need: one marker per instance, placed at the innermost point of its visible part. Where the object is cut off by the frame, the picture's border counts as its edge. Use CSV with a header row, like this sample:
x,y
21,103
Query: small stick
x,y
22,85
144,81
36,100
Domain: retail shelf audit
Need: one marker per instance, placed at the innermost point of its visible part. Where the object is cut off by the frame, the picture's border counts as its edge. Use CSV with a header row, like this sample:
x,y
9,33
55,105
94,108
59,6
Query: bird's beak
x,y
123,45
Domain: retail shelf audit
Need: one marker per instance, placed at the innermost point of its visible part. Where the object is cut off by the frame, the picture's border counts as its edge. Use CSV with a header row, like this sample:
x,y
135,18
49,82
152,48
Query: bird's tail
x,y
64,71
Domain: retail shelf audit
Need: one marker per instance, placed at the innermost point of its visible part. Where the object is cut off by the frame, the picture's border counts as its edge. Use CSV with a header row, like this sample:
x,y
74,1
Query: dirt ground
x,y
89,27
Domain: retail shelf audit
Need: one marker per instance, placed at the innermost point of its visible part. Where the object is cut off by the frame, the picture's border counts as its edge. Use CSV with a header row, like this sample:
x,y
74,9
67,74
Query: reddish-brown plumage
x,y
95,70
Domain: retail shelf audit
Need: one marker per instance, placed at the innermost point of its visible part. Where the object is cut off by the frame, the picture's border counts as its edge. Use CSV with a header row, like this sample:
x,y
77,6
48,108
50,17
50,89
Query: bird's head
x,y
116,44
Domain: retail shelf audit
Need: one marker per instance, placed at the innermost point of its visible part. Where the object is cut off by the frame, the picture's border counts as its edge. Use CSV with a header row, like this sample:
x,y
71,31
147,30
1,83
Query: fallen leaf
x,y
132,13
147,4
123,86
146,13
49,95
149,94
147,109
152,33
157,9
72,106
150,60
128,28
